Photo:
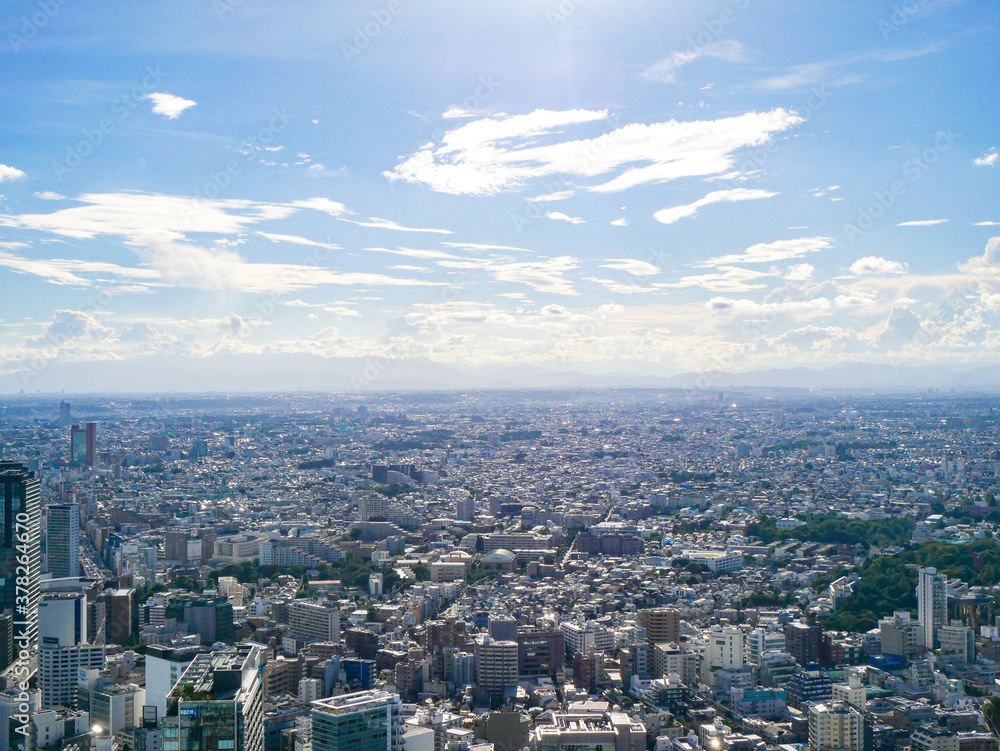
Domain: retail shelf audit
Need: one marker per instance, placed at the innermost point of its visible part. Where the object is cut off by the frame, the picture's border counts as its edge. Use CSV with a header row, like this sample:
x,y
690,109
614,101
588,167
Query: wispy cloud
x,y
561,217
666,69
632,266
780,250
669,216
168,105
836,71
503,153
922,223
377,223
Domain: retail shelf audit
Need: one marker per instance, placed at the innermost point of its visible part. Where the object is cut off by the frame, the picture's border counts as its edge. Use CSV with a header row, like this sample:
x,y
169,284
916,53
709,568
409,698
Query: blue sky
x,y
640,187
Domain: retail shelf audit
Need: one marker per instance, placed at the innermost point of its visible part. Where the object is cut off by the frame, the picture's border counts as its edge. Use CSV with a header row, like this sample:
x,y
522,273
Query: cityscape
x,y
508,375
678,570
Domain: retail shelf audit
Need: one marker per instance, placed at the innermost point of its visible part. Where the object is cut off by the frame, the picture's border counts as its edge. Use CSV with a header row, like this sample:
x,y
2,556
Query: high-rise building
x,y
164,666
932,603
58,667
496,665
310,621
663,625
802,640
363,721
835,727
62,619
217,703
83,444
19,549
65,413
62,540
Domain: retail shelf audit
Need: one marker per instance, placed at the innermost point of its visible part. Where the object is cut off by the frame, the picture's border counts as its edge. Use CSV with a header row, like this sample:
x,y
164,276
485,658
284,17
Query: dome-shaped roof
x,y
499,556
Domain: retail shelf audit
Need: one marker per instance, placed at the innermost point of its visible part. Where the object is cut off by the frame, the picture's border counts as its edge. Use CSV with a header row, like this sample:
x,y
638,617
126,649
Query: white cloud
x,y
75,272
922,223
10,173
632,266
728,279
988,159
295,240
988,261
502,153
377,223
620,222
333,208
780,250
666,69
621,288
67,325
154,226
669,216
559,216
800,272
557,196
168,105
987,224
876,265
485,246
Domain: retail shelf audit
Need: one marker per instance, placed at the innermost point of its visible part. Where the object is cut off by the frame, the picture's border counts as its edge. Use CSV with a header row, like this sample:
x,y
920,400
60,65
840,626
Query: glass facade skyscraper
x,y
20,561
363,721
217,704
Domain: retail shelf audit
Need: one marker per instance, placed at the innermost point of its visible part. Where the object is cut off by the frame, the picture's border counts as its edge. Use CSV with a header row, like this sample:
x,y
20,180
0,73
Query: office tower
x,y
164,666
65,413
217,703
62,619
62,540
932,603
111,707
835,727
63,648
364,721
310,621
83,444
663,625
802,640
58,667
465,509
496,665
20,529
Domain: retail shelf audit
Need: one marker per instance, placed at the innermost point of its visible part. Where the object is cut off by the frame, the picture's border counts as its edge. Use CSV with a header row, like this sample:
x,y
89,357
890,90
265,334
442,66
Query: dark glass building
x,y
20,561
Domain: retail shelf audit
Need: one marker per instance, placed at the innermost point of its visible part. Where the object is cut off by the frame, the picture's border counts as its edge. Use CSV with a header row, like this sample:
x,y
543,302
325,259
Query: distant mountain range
x,y
307,372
